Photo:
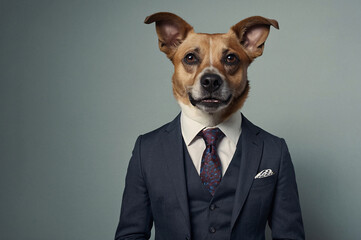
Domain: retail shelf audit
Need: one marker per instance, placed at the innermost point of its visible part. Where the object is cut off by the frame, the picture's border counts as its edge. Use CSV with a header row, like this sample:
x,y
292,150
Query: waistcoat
x,y
210,216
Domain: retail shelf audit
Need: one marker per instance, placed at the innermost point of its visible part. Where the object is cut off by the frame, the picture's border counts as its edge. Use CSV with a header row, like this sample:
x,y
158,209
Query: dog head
x,y
210,70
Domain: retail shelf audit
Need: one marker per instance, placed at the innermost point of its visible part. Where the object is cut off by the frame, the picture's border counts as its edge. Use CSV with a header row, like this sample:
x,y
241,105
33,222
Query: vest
x,y
210,216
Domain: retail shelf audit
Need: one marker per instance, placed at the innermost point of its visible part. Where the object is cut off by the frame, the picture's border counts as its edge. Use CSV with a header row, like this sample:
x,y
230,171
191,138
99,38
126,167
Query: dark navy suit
x,y
161,187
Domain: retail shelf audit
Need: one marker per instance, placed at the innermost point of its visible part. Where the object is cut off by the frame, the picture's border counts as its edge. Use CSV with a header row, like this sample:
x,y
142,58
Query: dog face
x,y
210,70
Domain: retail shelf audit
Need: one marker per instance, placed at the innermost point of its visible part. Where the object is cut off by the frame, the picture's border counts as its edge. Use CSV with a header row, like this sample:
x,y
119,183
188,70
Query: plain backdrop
x,y
80,80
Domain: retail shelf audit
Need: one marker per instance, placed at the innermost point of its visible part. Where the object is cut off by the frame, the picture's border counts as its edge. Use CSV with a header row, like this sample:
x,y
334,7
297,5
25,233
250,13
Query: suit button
x,y
212,207
212,229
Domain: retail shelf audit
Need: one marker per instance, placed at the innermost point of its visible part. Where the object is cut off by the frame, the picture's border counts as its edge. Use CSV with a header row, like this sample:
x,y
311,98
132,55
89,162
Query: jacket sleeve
x,y
285,219
136,219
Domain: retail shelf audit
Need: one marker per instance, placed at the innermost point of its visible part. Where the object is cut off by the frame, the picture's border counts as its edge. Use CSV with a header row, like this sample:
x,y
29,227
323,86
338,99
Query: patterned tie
x,y
211,168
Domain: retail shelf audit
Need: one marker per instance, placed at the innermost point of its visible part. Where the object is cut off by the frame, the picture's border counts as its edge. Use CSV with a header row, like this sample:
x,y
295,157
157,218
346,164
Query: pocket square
x,y
264,173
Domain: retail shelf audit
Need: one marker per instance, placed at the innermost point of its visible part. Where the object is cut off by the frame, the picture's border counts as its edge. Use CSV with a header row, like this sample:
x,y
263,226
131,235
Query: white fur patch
x,y
207,119
200,115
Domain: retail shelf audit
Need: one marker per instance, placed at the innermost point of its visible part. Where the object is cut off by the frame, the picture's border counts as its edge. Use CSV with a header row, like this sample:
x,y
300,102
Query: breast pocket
x,y
264,182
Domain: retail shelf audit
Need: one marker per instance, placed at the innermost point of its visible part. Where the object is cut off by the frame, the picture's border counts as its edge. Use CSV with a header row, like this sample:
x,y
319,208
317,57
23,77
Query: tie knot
x,y
211,136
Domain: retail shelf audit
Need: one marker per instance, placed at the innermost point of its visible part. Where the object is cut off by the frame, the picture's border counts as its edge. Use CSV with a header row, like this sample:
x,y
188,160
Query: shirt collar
x,y
231,128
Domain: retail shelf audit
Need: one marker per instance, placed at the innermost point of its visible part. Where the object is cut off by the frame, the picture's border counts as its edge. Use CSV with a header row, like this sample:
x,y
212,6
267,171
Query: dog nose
x,y
211,82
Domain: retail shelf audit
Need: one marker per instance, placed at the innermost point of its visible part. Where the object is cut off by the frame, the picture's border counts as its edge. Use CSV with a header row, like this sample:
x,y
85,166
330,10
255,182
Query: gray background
x,y
80,80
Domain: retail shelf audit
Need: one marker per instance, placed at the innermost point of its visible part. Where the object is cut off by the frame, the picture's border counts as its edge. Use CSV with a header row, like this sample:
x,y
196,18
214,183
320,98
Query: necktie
x,y
211,168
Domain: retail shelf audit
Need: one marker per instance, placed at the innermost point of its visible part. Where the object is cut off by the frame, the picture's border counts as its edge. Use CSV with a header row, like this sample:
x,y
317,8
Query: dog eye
x,y
231,59
191,59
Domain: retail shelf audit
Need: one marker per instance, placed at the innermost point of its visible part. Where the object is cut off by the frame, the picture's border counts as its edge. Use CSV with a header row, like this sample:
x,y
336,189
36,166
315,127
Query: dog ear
x,y
171,30
252,33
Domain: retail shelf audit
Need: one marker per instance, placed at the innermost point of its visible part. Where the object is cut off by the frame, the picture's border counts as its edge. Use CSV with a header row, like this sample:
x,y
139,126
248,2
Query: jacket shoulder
x,y
263,134
157,134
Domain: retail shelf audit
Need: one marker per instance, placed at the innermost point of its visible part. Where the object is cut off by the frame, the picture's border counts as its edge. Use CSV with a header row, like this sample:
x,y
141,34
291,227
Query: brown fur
x,y
245,39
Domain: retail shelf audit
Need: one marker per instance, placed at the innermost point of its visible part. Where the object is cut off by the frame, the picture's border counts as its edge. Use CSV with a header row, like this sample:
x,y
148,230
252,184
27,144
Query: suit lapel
x,y
173,153
252,147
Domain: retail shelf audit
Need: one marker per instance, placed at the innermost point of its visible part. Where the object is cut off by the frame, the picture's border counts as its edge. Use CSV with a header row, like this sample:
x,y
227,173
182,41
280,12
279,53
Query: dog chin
x,y
206,118
210,105
210,108
208,114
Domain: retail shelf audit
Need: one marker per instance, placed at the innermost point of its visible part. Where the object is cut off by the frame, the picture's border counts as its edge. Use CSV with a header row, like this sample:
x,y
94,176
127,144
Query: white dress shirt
x,y
196,145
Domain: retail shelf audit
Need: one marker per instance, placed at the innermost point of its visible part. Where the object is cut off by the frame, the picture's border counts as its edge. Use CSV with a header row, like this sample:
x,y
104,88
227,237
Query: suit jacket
x,y
155,188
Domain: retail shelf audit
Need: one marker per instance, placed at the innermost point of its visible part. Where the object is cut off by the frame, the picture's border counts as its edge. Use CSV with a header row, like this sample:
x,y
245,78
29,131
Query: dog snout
x,y
211,82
